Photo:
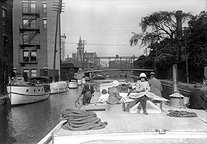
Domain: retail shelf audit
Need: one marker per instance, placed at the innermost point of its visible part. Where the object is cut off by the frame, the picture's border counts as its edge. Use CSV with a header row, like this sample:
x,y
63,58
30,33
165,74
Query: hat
x,y
198,85
142,75
87,78
115,83
152,73
104,91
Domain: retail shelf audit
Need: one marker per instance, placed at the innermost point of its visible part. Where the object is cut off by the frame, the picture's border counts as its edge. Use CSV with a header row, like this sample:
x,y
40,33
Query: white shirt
x,y
103,98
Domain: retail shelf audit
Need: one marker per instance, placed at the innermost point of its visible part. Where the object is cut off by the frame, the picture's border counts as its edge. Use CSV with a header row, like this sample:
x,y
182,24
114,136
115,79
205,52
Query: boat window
x,y
34,90
27,90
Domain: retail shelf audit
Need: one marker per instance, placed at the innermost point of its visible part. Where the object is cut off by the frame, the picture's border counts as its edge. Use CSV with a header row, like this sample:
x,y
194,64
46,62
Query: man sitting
x,y
197,100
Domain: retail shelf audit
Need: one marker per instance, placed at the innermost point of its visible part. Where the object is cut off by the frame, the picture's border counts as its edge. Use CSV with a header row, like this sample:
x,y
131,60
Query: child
x,y
104,96
141,86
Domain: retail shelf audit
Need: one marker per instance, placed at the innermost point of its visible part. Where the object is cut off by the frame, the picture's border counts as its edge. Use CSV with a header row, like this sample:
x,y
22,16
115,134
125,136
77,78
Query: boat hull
x,y
73,85
58,87
26,94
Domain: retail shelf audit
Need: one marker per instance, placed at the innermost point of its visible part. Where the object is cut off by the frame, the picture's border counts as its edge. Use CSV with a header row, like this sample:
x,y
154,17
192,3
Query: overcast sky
x,y
106,25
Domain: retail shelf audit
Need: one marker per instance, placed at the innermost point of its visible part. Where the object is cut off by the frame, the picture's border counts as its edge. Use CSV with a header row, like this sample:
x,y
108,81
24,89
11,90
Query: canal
x,y
28,124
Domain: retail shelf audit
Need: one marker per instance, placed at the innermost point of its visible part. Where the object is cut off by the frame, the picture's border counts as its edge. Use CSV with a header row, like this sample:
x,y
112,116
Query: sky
x,y
107,25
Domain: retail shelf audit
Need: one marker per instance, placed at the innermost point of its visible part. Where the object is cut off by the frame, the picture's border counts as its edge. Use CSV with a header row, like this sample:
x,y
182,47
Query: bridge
x,y
107,70
118,72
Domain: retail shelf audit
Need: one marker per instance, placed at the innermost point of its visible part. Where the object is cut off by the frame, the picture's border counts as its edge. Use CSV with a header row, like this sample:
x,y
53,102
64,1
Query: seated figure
x,y
141,87
104,96
197,100
114,96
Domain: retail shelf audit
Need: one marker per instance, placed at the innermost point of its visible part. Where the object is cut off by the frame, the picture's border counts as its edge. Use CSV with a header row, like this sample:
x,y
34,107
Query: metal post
x,y
54,60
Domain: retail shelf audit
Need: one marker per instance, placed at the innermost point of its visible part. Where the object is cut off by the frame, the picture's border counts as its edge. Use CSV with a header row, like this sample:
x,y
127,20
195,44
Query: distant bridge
x,y
105,70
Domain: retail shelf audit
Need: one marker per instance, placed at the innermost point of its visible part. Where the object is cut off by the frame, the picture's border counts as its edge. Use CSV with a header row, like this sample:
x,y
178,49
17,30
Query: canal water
x,y
28,124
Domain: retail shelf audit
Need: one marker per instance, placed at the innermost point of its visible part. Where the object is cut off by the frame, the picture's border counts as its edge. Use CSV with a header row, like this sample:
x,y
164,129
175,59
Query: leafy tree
x,y
195,41
159,34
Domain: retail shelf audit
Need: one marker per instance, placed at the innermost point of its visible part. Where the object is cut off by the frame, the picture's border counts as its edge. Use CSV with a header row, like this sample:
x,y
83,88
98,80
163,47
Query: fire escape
x,y
29,30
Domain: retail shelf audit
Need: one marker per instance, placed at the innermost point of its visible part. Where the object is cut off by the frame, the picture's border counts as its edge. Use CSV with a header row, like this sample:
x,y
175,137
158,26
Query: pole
x,y
54,60
60,45
186,62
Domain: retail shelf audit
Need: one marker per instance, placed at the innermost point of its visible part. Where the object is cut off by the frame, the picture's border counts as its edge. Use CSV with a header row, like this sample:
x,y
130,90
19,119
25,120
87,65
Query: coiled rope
x,y
176,113
80,120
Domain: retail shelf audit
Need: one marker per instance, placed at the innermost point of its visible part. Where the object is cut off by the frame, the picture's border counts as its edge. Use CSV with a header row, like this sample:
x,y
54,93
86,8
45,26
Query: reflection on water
x,y
30,123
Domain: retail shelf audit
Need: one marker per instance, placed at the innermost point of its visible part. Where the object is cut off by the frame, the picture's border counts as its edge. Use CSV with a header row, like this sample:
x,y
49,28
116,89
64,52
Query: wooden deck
x,y
132,128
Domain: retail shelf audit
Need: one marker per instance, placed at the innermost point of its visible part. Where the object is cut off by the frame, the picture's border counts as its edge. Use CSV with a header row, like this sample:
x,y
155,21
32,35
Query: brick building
x,y
34,26
6,43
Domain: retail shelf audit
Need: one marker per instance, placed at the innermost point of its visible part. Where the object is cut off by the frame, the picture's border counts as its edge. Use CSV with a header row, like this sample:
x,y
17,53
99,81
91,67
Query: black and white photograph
x,y
103,71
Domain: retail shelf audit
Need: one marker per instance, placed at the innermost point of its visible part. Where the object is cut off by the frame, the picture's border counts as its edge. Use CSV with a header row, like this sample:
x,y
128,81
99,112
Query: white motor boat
x,y
58,87
20,92
73,84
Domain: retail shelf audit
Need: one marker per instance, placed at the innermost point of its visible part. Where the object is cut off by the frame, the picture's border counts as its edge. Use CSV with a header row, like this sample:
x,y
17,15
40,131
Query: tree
x,y
160,28
195,41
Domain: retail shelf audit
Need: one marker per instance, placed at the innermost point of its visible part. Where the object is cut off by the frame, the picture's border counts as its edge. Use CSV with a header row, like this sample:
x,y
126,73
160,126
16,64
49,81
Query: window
x,y
25,23
29,56
33,7
26,71
33,57
33,24
44,8
33,72
25,7
44,21
25,38
26,55
4,13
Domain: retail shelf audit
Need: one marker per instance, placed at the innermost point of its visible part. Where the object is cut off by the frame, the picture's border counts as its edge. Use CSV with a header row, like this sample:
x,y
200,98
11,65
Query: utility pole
x,y
176,99
58,8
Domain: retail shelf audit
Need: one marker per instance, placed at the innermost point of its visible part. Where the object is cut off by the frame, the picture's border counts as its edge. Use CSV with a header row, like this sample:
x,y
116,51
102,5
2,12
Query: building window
x,y
26,55
26,71
25,38
44,8
25,23
33,7
44,21
33,72
25,7
33,24
4,13
29,56
33,57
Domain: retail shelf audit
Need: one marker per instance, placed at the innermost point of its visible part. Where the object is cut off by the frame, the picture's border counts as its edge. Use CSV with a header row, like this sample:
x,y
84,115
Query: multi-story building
x,y
91,60
34,29
6,43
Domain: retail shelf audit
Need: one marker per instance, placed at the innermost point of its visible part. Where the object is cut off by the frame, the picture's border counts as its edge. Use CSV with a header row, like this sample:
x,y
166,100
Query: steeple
x,y
80,41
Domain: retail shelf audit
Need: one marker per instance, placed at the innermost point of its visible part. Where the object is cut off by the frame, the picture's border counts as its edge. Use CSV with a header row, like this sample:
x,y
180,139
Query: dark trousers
x,y
142,104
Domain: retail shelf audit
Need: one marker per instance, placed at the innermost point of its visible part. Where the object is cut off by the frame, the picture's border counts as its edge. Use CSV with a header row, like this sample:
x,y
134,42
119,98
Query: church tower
x,y
80,50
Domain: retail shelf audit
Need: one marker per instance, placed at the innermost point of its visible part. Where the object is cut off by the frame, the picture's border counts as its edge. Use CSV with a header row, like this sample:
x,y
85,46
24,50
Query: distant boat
x,y
21,92
73,84
58,87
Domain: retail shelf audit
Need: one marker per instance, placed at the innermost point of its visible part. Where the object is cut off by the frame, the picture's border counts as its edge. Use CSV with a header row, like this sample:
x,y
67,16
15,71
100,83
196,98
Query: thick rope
x,y
175,113
79,120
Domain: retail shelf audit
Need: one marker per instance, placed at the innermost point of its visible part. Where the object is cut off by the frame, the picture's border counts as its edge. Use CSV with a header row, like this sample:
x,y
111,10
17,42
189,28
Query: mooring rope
x,y
80,120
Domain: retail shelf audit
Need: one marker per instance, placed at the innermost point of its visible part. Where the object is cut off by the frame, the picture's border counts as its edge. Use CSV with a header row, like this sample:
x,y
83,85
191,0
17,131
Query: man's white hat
x,y
115,83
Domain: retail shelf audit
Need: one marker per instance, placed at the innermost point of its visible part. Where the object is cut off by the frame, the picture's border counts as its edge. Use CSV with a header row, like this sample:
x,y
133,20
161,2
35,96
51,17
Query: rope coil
x,y
80,120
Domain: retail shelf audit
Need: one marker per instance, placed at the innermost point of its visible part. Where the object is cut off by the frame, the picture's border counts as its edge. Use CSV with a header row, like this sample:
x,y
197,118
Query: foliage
x,y
195,40
159,34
